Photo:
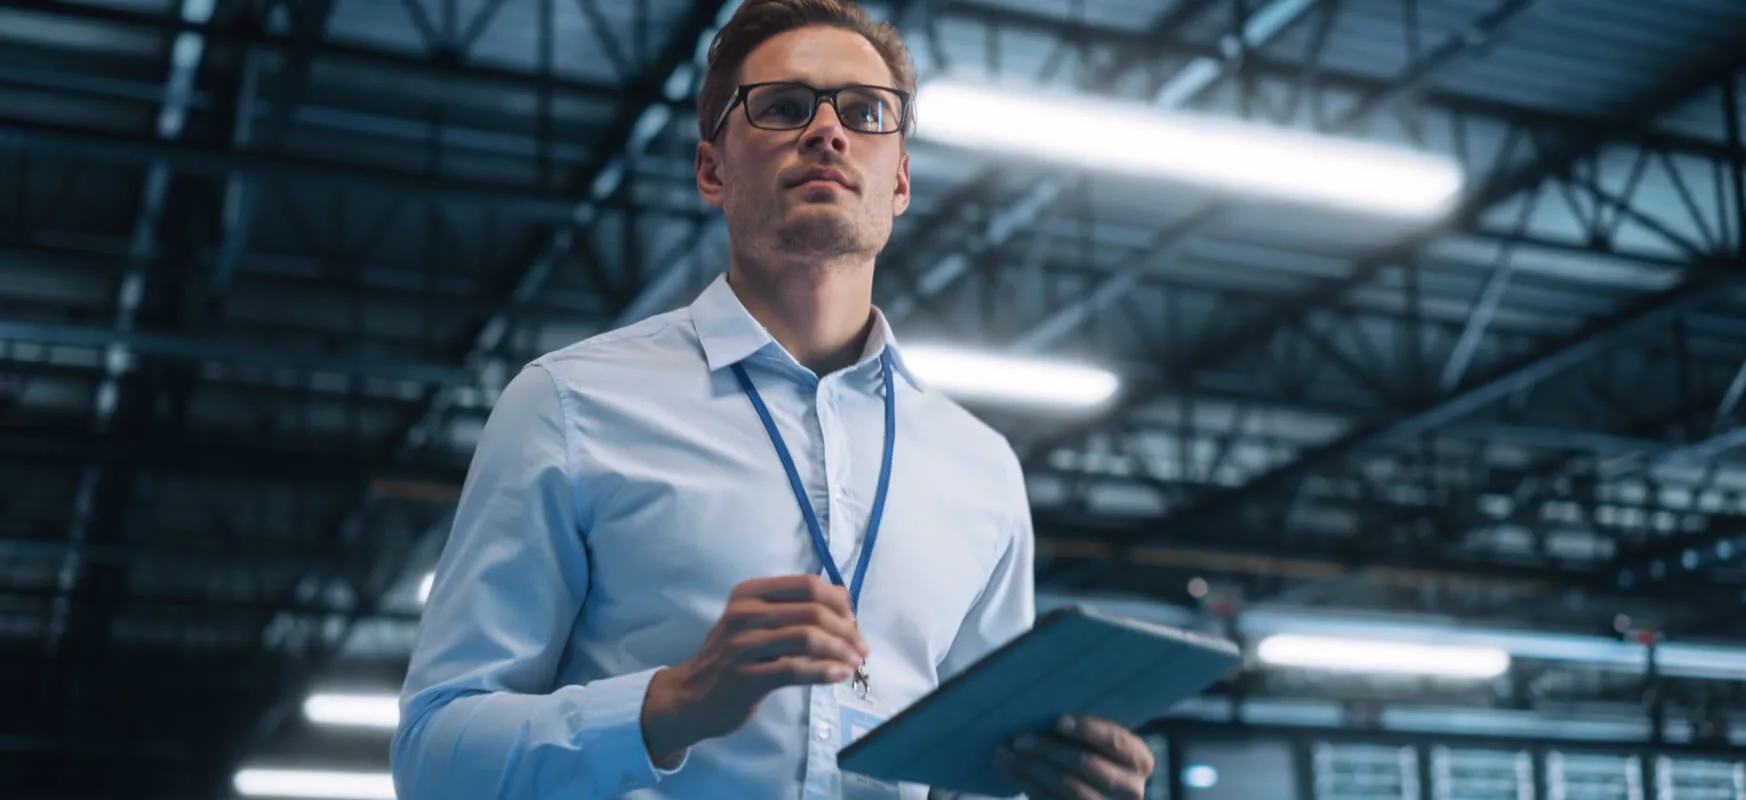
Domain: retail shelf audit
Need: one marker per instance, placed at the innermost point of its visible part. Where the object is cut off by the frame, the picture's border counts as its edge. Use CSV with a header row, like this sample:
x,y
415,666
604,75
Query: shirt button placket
x,y
831,454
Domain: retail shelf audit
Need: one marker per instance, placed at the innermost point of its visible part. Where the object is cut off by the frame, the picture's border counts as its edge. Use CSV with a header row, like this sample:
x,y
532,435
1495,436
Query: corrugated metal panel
x,y
70,36
146,6
1572,56
1019,55
511,38
1125,15
1703,116
376,24
1588,56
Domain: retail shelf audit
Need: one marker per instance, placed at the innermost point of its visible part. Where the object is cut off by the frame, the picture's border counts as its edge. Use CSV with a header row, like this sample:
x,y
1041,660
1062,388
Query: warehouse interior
x,y
265,264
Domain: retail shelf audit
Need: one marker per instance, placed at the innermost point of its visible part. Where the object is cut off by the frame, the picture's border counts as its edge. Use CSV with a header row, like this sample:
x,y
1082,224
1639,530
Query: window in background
x,y
1592,776
1698,779
1477,774
1365,772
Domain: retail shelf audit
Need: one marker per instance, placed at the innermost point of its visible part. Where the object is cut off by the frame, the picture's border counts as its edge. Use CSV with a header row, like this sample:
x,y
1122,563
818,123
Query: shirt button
x,y
824,733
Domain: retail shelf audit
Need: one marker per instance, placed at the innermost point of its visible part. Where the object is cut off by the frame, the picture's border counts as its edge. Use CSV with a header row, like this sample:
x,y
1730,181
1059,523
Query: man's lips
x,y
821,175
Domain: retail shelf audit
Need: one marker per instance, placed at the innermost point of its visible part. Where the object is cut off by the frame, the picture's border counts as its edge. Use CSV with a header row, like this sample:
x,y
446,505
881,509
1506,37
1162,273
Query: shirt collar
x,y
730,334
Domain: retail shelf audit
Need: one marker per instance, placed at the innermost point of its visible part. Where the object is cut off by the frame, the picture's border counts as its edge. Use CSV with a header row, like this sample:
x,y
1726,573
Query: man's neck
x,y
821,316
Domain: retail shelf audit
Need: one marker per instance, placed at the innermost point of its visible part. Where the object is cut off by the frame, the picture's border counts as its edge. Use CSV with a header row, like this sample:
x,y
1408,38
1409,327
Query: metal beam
x,y
240,352
1459,46
1678,561
214,350
108,147
81,608
1193,79
439,67
1375,96
398,129
60,141
234,457
309,22
649,99
1691,81
1522,373
1071,536
200,607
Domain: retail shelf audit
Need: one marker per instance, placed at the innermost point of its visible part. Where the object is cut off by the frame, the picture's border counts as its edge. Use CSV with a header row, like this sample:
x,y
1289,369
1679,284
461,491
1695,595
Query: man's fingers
x,y
750,616
782,615
1067,765
1108,739
1013,772
796,640
800,589
1040,779
798,670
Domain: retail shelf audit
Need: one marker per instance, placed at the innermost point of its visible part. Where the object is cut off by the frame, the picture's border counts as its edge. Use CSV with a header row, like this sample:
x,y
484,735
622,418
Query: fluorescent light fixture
x,y
1005,379
424,586
314,784
364,710
1357,655
1133,138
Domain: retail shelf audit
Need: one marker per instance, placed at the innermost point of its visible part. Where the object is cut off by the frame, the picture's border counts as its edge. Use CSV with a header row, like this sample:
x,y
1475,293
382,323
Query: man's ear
x,y
709,177
900,193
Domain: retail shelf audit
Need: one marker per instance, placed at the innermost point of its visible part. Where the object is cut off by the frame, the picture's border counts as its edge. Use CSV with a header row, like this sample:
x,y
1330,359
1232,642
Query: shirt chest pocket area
x,y
689,530
930,566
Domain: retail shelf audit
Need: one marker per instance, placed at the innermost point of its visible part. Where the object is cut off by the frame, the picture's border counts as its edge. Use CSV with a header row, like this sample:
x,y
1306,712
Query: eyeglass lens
x,y
788,106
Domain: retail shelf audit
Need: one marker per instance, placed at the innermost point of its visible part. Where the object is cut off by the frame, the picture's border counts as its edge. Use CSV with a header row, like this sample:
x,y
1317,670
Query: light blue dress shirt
x,y
622,487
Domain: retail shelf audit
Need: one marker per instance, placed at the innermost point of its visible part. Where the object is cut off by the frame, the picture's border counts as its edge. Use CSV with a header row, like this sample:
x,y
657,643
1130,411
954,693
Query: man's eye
x,y
783,110
863,112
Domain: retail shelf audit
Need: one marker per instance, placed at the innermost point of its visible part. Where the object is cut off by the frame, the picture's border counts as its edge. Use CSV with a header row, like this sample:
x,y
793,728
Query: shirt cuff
x,y
611,733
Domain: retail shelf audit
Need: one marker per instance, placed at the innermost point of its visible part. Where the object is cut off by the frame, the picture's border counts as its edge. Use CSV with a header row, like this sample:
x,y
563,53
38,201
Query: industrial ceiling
x,y
264,265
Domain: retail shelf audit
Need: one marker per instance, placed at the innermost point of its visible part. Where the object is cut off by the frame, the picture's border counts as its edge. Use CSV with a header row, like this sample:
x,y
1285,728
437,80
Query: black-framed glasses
x,y
785,106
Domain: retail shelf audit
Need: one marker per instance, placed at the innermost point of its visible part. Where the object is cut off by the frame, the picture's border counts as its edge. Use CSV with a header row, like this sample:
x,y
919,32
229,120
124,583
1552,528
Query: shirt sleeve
x,y
1007,605
481,716
1005,610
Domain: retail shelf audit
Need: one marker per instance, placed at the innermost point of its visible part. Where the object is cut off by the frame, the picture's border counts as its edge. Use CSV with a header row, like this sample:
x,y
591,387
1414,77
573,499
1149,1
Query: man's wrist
x,y
666,720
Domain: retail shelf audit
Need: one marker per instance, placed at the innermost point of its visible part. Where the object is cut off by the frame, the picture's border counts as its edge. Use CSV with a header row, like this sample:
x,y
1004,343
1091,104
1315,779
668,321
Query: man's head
x,y
796,175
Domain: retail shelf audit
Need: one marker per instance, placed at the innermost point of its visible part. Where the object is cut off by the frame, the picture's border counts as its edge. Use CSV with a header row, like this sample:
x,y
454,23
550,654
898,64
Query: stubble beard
x,y
817,236
820,235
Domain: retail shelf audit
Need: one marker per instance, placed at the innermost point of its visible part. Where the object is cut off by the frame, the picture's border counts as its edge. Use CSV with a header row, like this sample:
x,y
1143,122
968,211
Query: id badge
x,y
858,716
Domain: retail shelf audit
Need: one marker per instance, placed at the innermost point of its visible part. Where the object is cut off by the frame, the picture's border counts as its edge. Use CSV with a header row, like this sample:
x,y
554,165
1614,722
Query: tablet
x,y
1073,661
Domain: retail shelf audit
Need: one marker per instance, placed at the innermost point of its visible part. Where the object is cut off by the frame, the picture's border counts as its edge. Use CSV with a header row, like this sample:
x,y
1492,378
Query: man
x,y
695,555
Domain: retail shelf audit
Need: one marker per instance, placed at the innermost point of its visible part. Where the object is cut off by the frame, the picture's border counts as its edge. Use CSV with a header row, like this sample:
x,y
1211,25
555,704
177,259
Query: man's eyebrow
x,y
810,84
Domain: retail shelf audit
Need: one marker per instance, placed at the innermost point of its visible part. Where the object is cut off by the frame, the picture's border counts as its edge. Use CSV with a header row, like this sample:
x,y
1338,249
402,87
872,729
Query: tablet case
x,y
1073,661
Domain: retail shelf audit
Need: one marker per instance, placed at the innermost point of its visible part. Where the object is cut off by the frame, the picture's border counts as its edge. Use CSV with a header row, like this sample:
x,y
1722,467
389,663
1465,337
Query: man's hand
x,y
788,631
1083,758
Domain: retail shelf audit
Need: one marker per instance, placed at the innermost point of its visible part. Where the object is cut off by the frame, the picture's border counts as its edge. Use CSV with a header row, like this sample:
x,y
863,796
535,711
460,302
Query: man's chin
x,y
821,231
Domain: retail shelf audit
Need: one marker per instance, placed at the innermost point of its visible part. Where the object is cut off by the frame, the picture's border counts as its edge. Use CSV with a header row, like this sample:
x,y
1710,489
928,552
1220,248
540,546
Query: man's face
x,y
768,183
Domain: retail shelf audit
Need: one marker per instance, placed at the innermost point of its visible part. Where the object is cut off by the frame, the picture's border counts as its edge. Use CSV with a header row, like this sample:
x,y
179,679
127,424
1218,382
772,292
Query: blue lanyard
x,y
806,510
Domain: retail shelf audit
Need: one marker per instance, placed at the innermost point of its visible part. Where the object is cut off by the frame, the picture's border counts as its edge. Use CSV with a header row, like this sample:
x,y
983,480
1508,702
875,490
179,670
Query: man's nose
x,y
826,129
